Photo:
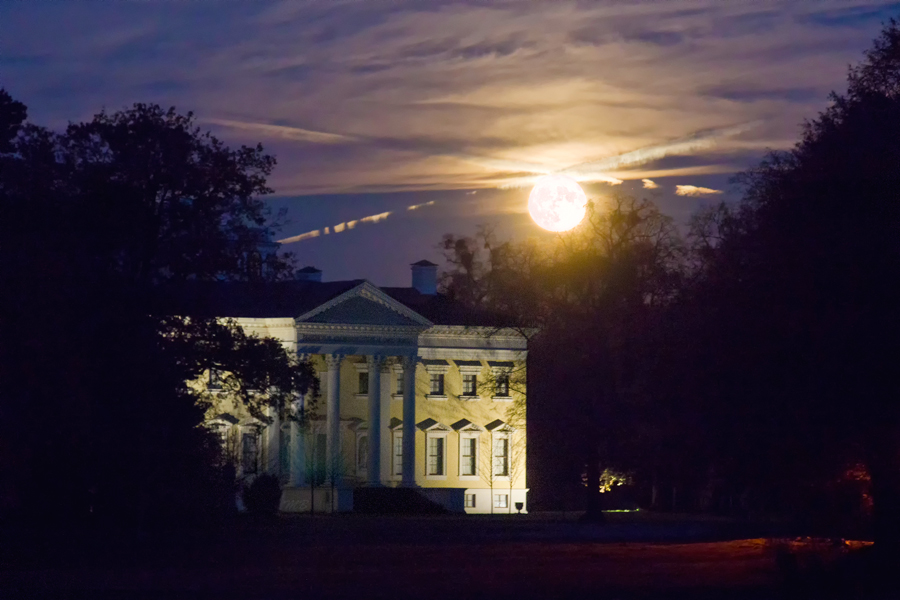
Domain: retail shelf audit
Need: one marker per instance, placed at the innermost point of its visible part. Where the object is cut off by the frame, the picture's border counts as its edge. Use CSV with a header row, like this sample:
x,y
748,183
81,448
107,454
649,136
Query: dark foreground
x,y
549,556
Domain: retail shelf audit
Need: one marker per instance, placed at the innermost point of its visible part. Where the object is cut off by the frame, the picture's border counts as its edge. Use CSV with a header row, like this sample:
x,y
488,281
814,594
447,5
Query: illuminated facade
x,y
412,395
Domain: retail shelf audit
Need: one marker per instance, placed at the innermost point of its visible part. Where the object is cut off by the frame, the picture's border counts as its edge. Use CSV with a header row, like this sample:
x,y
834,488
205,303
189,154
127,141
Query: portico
x,y
379,398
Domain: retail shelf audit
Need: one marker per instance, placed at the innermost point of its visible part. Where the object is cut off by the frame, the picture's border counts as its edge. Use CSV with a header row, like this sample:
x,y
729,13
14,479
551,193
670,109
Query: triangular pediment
x,y
365,305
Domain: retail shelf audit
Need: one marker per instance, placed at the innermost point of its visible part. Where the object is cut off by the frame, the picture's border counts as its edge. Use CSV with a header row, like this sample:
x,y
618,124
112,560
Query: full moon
x,y
557,203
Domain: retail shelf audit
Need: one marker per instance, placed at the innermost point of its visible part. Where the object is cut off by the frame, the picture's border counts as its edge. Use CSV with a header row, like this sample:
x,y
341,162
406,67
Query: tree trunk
x,y
594,512
884,469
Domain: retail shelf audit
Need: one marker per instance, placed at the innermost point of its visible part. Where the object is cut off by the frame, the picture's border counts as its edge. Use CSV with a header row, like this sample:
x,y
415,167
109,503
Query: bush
x,y
263,496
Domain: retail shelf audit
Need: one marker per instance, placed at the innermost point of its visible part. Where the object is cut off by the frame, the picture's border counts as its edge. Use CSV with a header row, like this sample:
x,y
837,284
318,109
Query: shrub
x,y
263,496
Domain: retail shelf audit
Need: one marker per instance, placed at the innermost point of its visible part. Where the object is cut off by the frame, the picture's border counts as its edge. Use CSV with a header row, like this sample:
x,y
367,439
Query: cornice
x,y
318,328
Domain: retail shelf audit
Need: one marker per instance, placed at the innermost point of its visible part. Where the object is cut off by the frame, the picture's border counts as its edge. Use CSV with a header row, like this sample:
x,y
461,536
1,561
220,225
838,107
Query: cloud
x,y
700,140
692,190
605,179
341,227
413,96
299,238
649,184
417,206
284,132
376,218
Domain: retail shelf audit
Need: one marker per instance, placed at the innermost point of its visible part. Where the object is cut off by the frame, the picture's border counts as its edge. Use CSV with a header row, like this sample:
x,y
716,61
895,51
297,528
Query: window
x,y
437,384
501,500
316,475
398,453
249,452
215,379
503,385
501,457
221,431
436,455
468,456
362,451
470,500
400,382
363,383
470,385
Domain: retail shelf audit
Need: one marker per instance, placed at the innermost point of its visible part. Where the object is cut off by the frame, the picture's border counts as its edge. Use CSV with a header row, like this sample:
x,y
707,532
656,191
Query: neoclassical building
x,y
414,393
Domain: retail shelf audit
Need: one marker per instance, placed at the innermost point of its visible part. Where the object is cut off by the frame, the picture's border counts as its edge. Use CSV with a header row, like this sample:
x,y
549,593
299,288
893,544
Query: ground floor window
x,y
436,455
470,500
317,474
501,500
501,457
468,465
362,451
249,452
398,453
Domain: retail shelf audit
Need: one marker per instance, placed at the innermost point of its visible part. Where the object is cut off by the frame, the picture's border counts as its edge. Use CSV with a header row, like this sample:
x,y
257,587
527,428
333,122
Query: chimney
x,y
309,274
424,277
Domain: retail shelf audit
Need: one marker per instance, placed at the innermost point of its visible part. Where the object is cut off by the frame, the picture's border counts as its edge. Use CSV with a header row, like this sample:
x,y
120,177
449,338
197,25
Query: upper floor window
x,y
400,382
363,383
470,385
215,379
503,384
437,384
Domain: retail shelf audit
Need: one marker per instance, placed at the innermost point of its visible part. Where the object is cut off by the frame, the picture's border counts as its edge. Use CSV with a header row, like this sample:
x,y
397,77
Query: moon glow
x,y
557,203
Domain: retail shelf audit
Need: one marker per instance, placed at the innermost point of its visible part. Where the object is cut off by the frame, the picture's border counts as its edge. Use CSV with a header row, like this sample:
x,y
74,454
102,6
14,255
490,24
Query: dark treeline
x,y
97,225
749,365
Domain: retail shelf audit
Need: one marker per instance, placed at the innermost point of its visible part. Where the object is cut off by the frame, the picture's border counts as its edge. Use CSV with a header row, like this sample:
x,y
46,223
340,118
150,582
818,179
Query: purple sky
x,y
374,106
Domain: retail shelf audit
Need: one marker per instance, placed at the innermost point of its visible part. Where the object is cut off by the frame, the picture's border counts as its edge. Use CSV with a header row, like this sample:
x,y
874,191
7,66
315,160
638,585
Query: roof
x,y
250,299
298,297
423,263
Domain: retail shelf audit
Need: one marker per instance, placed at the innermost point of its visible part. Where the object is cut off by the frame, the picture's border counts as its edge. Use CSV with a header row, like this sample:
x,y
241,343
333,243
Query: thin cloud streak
x,y
284,132
418,206
701,140
693,190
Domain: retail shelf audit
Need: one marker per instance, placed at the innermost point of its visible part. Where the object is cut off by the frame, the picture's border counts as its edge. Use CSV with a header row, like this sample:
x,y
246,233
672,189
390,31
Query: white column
x,y
273,430
386,441
333,454
297,450
409,420
374,468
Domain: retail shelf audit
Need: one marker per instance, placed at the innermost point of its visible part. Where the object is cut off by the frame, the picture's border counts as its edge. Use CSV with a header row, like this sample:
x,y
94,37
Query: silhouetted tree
x,y
795,310
594,295
102,227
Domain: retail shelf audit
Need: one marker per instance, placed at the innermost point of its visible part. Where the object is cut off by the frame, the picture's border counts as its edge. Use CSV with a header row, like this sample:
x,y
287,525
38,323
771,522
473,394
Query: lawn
x,y
534,556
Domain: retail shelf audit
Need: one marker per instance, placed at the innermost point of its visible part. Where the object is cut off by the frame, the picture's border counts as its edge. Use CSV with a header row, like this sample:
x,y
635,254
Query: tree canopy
x,y
97,226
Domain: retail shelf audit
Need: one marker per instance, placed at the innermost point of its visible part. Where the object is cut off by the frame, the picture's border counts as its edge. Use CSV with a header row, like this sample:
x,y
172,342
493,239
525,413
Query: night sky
x,y
372,107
